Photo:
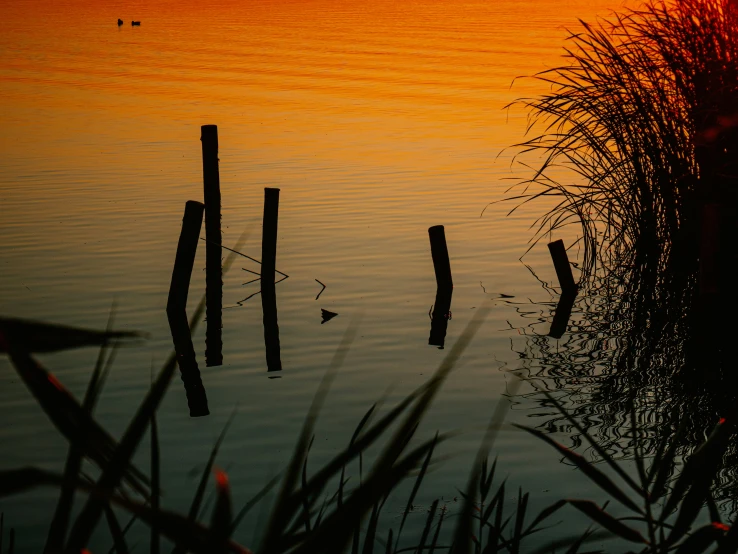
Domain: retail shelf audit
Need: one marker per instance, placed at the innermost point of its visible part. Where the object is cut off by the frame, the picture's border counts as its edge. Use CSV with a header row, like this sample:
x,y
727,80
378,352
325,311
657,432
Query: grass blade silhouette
x,y
284,506
40,337
207,471
116,532
463,531
70,418
599,478
416,488
114,470
154,543
254,501
336,529
220,525
596,514
60,521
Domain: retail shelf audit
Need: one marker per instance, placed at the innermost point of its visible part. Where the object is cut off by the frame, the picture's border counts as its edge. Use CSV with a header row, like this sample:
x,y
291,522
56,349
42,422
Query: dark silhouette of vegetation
x,y
644,116
666,499
639,133
638,138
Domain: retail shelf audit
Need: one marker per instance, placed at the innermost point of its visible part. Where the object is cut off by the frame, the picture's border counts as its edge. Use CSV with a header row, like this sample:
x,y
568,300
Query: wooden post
x,y
268,270
562,266
185,259
269,237
213,252
177,309
439,251
444,286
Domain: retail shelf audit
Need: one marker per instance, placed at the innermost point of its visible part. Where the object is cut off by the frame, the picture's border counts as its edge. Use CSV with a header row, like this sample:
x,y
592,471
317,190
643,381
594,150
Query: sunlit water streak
x,y
376,120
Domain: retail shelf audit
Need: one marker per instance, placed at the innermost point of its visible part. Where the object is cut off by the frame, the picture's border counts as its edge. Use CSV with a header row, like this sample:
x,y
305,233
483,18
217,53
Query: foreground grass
x,y
321,513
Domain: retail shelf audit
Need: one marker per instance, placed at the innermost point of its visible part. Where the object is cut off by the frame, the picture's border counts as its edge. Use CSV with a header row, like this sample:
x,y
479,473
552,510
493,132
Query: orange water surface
x,y
377,119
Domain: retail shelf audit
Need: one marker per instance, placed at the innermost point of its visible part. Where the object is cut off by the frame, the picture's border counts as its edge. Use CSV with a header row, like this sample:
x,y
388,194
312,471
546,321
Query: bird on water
x,y
120,22
135,23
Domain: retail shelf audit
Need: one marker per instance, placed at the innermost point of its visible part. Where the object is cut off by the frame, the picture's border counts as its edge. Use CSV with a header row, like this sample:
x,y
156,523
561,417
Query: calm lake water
x,y
376,120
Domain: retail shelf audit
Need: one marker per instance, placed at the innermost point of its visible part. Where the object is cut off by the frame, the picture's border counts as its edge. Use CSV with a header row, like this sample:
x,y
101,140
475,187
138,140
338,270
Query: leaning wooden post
x,y
213,252
177,309
562,266
268,271
439,251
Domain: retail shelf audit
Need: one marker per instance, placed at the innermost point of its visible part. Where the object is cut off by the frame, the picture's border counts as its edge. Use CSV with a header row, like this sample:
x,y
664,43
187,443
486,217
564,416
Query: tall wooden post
x,y
213,252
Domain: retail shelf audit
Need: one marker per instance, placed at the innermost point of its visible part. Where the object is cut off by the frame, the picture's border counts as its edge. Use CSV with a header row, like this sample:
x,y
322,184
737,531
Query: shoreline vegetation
x,y
644,115
643,119
321,512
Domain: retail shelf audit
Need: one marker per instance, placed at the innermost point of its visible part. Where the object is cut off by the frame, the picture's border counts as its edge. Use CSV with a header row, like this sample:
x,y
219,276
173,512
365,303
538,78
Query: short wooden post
x,y
213,251
177,309
269,236
268,271
562,266
439,252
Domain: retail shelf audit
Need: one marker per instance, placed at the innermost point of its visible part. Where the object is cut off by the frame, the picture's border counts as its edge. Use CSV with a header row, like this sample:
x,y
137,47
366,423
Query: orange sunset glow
x,y
279,263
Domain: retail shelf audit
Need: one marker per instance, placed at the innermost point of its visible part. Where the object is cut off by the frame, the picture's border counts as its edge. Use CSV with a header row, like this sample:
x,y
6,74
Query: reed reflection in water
x,y
639,335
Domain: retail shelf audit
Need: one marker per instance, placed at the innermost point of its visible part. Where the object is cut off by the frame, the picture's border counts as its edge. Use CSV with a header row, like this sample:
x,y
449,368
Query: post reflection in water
x,y
441,316
562,314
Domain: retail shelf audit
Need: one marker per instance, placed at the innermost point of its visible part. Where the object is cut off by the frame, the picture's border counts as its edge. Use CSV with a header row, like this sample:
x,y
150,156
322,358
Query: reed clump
x,y
639,132
638,137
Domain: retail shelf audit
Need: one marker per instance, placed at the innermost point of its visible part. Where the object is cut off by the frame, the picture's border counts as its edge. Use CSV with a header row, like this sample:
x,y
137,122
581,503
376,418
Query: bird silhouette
x,y
120,22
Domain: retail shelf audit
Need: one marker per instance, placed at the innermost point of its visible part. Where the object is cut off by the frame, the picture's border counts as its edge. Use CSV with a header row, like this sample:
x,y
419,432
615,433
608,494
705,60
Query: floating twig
x,y
245,256
321,290
259,279
240,302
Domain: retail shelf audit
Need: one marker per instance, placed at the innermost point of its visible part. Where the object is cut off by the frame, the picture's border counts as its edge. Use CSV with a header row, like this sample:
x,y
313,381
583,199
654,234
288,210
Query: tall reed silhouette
x,y
639,132
637,141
